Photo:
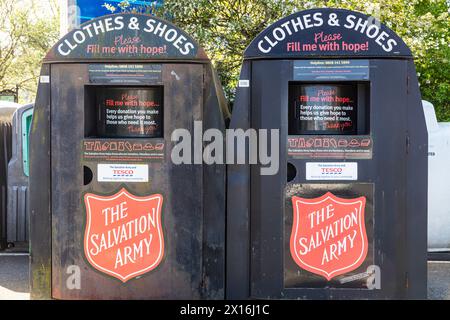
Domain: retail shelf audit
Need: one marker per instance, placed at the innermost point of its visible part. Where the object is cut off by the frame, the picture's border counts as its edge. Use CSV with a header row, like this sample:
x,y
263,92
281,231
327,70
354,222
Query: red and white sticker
x,y
124,234
332,171
329,235
122,173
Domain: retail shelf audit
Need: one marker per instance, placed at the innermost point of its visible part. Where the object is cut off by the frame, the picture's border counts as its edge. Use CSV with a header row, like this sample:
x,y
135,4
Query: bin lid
x,y
7,110
327,33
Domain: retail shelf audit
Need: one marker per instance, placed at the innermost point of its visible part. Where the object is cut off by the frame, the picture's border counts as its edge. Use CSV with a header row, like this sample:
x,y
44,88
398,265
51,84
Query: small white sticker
x,y
332,171
122,173
45,79
244,83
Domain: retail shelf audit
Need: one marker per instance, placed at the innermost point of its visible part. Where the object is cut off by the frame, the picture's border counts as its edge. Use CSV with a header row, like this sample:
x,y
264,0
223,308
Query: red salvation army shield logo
x,y
123,236
329,234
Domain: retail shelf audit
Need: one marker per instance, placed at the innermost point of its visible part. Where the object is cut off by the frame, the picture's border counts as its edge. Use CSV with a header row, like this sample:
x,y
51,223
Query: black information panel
x,y
323,109
336,70
130,112
134,74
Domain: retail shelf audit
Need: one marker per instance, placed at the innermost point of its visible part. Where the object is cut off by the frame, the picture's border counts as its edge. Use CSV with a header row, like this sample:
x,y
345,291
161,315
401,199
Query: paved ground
x,y
439,280
14,278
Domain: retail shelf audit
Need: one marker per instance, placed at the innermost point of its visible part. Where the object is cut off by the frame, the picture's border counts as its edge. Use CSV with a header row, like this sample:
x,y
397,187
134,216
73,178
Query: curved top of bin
x,y
327,32
7,110
126,36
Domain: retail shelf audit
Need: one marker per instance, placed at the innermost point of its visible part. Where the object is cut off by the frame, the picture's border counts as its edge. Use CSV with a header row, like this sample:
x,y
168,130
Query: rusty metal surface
x,y
40,195
397,170
417,182
194,195
268,229
193,211
238,204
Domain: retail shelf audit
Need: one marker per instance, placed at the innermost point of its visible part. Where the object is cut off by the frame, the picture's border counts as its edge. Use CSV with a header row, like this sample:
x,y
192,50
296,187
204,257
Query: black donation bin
x,y
18,173
112,216
346,214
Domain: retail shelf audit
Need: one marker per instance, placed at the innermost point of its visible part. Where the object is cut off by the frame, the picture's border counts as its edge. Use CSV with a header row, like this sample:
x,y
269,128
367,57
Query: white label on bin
x,y
122,172
331,171
45,79
244,83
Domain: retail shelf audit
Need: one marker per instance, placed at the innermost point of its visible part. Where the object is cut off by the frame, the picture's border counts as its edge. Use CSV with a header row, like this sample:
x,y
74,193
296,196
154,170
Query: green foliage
x,y
226,27
25,39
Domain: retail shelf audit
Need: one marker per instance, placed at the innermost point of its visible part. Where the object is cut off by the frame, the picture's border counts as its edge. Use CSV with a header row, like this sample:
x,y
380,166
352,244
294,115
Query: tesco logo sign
x,y
123,172
332,170
329,171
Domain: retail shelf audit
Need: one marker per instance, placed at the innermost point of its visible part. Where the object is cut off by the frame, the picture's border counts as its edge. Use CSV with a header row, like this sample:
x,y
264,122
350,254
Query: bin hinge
x,y
407,84
408,144
406,280
203,81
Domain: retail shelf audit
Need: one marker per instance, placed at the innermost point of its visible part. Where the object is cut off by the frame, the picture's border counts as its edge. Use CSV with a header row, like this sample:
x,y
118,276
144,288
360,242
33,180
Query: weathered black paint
x,y
194,196
396,168
40,199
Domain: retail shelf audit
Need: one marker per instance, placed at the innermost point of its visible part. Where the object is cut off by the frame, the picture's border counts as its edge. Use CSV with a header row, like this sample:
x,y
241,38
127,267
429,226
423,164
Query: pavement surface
x,y
14,278
439,280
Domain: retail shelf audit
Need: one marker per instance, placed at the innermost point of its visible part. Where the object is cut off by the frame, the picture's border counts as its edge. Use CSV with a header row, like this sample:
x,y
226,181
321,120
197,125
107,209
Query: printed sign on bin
x,y
332,171
122,173
329,235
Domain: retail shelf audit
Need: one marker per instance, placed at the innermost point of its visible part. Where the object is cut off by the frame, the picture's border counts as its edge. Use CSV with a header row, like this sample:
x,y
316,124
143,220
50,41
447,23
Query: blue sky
x,y
93,8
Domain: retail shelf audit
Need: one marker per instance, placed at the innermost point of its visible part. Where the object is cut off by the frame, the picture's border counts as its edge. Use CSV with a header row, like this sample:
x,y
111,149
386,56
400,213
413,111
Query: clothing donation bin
x,y
112,216
345,217
7,110
438,191
18,173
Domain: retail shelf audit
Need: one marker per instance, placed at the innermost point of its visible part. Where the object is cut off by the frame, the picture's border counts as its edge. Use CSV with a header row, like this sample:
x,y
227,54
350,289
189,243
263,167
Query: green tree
x,y
26,34
225,28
